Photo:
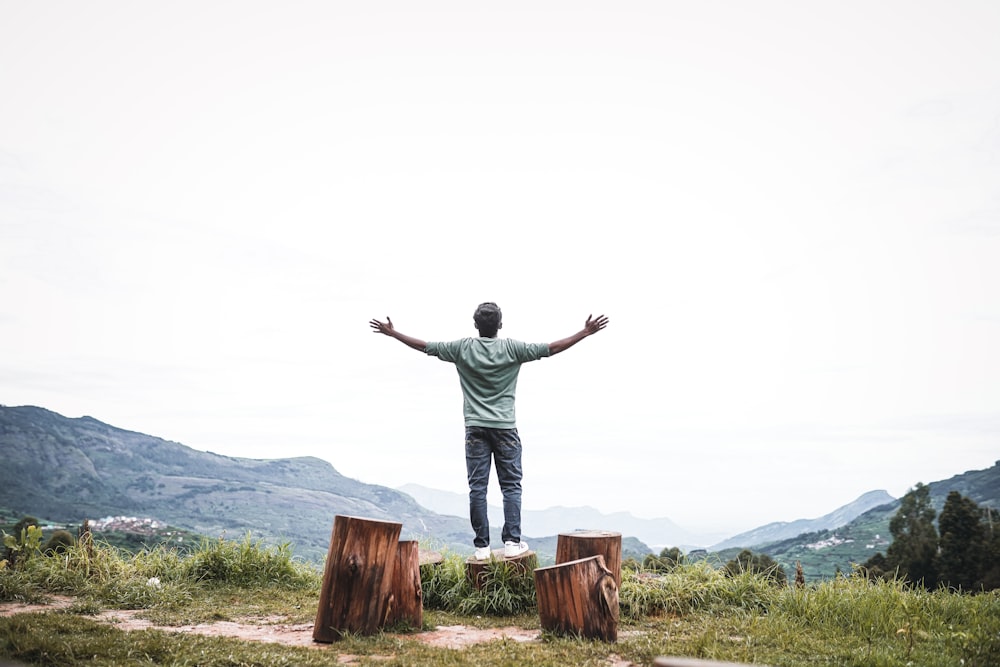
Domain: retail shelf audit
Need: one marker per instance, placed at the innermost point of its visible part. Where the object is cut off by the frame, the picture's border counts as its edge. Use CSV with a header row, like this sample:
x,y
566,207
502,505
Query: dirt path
x,y
274,630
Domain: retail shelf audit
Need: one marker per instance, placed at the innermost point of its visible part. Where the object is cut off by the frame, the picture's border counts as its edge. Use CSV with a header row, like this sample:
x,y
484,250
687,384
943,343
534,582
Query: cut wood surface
x,y
578,598
431,558
667,661
476,570
586,543
407,597
357,580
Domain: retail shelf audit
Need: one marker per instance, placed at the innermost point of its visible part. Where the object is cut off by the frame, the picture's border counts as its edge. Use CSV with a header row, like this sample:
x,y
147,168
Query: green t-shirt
x,y
487,370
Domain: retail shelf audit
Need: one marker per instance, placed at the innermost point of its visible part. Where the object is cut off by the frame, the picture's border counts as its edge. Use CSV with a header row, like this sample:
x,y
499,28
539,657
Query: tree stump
x,y
407,593
477,570
585,543
669,661
357,580
430,558
579,598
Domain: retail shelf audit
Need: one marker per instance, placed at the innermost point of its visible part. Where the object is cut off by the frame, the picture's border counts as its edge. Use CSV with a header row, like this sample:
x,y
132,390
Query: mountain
x,y
555,520
75,469
824,552
783,530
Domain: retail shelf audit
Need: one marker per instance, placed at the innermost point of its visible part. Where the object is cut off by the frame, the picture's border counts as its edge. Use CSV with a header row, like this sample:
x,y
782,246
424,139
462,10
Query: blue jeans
x,y
504,447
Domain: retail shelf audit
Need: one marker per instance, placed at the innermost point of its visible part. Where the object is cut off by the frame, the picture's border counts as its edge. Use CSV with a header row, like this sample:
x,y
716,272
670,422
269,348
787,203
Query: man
x,y
487,370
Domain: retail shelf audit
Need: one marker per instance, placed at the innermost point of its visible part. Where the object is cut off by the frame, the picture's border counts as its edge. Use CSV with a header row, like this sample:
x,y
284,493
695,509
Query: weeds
x,y
693,610
506,589
249,564
158,577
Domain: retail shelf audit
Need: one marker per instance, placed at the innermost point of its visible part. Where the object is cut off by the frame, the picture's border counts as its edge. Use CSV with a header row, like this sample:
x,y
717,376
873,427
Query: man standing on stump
x,y
487,370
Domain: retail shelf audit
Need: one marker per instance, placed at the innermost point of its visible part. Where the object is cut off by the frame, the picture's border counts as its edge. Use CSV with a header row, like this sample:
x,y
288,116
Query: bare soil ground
x,y
275,629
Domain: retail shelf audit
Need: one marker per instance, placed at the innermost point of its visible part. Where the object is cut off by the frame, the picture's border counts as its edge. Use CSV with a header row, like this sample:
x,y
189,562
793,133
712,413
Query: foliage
x,y
506,588
668,559
965,556
695,610
690,588
961,543
22,544
747,561
914,538
159,577
58,542
248,563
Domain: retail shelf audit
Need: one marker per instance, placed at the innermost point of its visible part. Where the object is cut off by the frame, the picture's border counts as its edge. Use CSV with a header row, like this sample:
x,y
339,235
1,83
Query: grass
x,y
694,610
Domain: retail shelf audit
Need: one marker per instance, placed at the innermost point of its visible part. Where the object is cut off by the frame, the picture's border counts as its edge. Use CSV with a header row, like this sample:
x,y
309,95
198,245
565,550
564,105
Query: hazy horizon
x,y
790,213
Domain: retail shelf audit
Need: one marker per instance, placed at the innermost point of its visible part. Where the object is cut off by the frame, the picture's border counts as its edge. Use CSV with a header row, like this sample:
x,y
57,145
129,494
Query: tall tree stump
x,y
585,543
407,593
357,580
476,571
579,598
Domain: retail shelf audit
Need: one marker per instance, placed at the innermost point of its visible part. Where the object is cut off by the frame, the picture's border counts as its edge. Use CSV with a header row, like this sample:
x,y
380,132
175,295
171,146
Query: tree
x,y
914,538
989,578
668,559
959,561
747,561
877,567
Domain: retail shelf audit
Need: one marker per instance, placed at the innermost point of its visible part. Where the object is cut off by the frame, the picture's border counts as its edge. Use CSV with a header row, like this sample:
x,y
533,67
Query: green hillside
x,y
823,553
75,469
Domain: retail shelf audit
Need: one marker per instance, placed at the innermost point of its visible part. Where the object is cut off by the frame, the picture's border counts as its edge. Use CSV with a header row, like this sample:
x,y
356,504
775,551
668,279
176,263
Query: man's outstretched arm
x,y
387,329
592,326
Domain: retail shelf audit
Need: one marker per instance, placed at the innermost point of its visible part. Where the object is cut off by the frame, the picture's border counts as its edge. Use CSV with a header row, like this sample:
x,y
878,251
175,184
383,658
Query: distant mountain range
x,y
555,520
65,469
783,530
824,552
69,470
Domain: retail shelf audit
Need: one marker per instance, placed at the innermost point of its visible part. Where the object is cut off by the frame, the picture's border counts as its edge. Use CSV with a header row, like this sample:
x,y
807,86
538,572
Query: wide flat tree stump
x,y
668,661
407,604
585,543
578,598
476,570
357,580
430,558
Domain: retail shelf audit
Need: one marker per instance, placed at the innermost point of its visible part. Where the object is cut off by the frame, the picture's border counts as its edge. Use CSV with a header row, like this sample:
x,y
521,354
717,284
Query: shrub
x,y
249,563
58,542
506,589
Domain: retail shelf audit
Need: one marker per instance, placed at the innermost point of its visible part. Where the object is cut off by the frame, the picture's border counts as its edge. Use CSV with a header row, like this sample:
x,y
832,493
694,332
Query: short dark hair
x,y
488,318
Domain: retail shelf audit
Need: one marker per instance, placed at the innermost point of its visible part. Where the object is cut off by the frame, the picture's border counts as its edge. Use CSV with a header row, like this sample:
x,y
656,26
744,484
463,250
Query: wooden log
x,y
670,661
357,580
477,571
586,543
407,592
578,598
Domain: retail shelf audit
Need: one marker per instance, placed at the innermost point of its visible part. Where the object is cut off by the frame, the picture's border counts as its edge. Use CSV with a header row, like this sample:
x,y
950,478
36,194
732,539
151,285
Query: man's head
x,y
488,319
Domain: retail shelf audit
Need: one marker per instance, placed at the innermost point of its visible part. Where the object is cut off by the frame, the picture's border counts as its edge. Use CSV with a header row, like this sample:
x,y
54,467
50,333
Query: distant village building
x,y
127,524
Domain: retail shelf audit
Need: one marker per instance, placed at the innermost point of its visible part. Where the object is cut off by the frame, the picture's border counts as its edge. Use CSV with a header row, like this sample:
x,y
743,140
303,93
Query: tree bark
x,y
407,592
578,598
586,543
357,581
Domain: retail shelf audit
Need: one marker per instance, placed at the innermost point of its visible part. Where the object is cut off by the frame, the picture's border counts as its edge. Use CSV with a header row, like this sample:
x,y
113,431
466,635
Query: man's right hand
x,y
382,327
387,329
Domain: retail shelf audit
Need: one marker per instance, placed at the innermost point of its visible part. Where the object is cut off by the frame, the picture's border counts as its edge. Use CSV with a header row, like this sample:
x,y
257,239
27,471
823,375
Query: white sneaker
x,y
483,553
511,549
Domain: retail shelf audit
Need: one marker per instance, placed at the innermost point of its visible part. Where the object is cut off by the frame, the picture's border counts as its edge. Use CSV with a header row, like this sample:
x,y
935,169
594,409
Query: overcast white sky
x,y
789,210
